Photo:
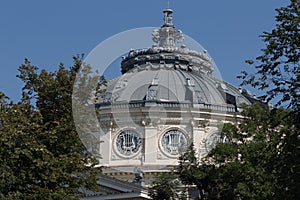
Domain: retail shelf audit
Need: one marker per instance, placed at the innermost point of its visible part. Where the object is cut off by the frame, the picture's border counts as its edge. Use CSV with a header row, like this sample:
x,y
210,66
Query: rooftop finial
x,y
167,35
168,4
168,17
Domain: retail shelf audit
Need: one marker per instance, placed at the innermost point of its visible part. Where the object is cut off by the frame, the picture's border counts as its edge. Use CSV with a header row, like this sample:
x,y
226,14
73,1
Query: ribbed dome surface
x,y
171,86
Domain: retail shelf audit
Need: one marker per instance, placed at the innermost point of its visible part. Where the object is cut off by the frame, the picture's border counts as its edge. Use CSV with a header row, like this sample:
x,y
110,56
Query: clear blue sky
x,y
51,32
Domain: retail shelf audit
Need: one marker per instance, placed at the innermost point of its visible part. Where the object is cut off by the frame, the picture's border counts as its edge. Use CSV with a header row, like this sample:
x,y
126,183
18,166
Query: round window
x,y
128,142
212,141
174,142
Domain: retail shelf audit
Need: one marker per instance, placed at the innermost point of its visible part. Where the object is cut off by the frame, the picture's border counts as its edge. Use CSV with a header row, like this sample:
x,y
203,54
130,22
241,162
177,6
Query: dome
x,y
168,73
171,74
166,97
172,85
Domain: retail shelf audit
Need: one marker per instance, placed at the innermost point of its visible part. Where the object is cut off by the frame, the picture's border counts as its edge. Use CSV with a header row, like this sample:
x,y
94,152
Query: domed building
x,y
166,97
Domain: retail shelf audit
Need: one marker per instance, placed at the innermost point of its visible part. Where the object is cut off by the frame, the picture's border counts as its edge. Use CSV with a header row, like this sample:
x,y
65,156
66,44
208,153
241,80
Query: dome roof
x,y
167,73
172,85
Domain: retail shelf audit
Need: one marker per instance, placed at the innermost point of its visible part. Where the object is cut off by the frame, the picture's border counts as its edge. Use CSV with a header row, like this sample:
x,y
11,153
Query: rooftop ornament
x,y
167,35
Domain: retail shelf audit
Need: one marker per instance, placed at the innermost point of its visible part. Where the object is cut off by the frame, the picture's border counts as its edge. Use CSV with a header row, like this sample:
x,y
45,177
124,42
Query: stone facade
x,y
166,98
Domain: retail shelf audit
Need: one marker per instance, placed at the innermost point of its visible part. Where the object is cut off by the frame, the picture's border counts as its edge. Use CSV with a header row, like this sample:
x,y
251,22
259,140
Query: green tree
x,y
88,88
3,97
278,68
188,170
255,165
278,74
167,187
256,162
41,155
3,104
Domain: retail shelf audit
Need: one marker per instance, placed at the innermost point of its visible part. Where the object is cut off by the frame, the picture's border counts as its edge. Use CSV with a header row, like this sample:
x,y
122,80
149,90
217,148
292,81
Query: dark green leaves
x,y
279,66
41,155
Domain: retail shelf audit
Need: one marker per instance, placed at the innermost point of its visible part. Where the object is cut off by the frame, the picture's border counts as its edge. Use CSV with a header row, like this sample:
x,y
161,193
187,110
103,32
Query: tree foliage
x,y
167,187
278,68
258,161
41,155
262,163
